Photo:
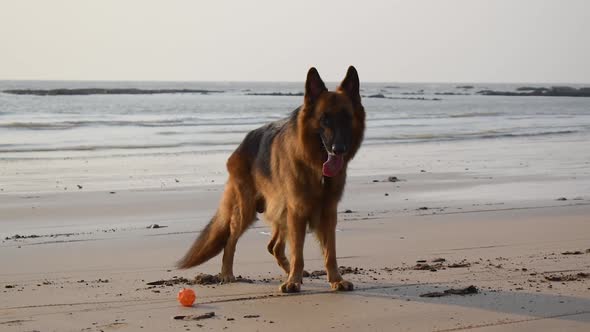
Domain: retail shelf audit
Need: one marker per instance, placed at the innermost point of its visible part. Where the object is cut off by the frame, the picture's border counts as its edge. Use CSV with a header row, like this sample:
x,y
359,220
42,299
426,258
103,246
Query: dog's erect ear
x,y
351,86
314,86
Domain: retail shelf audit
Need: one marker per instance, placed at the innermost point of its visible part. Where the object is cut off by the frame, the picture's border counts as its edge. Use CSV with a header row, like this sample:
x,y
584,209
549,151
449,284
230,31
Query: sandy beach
x,y
96,267
466,207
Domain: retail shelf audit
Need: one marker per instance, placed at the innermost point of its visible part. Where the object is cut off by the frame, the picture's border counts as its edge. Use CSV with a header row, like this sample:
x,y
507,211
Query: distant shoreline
x,y
524,91
100,91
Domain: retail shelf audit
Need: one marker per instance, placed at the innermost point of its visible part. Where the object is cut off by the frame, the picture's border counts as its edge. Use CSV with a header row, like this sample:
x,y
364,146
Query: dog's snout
x,y
338,148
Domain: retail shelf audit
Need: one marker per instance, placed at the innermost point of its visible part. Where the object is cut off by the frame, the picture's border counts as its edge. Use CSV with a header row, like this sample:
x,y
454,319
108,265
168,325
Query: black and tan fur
x,y
277,169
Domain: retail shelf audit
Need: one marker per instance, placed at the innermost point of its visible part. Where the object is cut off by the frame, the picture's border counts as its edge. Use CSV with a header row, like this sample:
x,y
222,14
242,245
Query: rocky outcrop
x,y
100,91
283,94
556,91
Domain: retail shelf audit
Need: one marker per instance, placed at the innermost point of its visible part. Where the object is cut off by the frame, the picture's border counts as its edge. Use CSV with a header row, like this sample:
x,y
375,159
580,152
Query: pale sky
x,y
217,40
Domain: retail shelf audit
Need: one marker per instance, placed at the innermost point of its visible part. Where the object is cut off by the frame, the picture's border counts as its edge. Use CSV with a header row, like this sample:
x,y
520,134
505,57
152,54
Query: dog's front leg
x,y
296,226
326,232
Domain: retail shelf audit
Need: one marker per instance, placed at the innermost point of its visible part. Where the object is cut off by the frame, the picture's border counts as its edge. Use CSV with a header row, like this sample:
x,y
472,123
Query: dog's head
x,y
336,117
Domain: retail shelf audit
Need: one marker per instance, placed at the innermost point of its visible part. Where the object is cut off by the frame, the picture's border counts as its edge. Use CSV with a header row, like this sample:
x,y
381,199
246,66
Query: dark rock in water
x,y
529,88
556,91
348,211
451,94
465,87
379,95
392,179
561,199
100,91
282,94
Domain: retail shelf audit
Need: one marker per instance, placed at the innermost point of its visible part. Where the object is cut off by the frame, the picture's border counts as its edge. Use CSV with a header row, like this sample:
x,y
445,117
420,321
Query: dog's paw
x,y
342,285
226,278
290,287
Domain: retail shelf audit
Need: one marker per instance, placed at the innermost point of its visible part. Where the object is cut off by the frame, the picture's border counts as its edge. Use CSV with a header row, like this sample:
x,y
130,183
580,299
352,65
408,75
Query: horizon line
x,y
298,82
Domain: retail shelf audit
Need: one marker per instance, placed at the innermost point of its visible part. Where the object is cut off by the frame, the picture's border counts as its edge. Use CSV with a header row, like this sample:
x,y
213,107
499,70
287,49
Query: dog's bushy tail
x,y
209,243
213,237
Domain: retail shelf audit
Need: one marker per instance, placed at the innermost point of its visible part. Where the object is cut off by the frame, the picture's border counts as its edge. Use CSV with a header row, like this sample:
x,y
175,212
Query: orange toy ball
x,y
186,297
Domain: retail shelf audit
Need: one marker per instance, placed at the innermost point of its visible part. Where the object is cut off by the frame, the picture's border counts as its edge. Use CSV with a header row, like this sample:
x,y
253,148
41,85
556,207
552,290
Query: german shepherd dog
x,y
293,170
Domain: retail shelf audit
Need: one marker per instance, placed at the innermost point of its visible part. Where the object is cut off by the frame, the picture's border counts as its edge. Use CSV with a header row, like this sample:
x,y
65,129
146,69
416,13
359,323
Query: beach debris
x,y
393,179
458,265
577,252
422,208
206,315
176,180
348,211
251,316
35,236
386,194
79,186
200,279
316,274
568,277
112,192
439,260
154,226
17,237
9,286
561,199
348,269
451,291
342,269
427,267
171,282
207,279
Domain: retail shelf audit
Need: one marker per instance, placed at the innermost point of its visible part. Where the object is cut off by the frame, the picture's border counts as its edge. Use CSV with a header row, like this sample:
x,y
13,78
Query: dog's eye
x,y
325,121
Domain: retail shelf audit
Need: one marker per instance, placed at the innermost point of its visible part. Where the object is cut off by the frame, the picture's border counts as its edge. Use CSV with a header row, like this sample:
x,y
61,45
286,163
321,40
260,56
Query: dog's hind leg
x,y
276,247
243,215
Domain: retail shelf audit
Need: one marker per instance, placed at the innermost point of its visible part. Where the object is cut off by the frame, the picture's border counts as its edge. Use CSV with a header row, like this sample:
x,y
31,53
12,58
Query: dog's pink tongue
x,y
333,165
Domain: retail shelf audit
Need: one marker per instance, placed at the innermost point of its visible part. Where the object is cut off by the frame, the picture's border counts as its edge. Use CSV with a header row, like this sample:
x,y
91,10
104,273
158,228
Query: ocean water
x,y
109,141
